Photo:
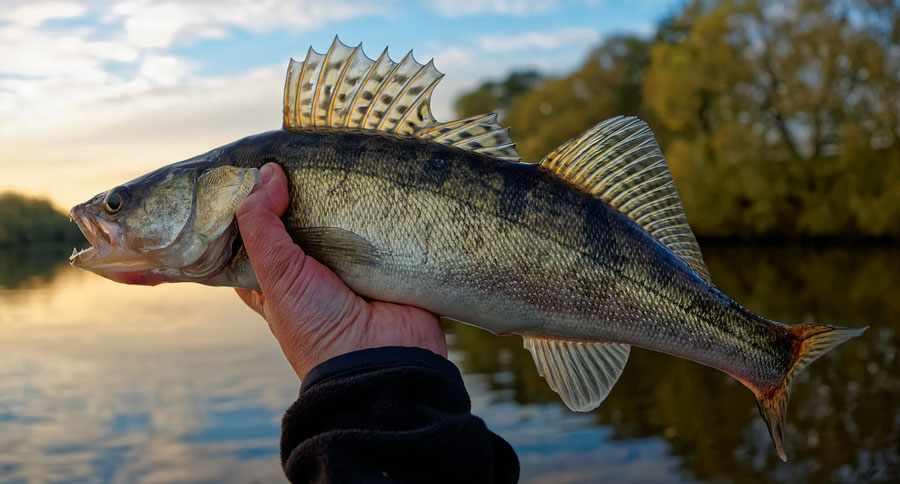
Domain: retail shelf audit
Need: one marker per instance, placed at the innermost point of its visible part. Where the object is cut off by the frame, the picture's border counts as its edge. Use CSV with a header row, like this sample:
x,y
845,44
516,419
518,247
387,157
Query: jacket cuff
x,y
362,361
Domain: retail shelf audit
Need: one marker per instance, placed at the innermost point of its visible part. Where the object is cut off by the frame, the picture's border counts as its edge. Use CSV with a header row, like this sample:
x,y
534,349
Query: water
x,y
101,382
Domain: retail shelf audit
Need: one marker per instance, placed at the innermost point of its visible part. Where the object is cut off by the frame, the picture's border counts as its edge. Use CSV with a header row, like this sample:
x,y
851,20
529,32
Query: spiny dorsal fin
x,y
479,133
343,88
581,373
619,161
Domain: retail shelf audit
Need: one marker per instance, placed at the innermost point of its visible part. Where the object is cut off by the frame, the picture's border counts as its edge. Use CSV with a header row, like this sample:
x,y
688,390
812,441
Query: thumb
x,y
271,250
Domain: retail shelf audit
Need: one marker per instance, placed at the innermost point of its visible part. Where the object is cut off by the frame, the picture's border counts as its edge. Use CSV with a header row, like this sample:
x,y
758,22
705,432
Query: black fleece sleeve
x,y
390,414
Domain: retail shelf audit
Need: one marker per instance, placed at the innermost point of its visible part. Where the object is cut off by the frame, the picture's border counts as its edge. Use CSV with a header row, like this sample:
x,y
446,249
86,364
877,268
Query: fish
x,y
584,254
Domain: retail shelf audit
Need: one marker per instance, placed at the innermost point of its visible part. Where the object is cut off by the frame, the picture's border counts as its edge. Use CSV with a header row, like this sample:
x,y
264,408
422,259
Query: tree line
x,y
27,222
779,119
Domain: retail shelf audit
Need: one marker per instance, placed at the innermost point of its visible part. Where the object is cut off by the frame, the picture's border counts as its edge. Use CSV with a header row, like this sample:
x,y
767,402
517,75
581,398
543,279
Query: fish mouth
x,y
97,235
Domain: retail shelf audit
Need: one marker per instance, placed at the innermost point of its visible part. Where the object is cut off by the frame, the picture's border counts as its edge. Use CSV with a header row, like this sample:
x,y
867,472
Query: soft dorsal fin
x,y
619,161
581,373
343,88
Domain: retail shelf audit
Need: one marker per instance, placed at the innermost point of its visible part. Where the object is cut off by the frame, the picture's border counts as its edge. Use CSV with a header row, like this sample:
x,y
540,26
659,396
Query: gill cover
x,y
219,193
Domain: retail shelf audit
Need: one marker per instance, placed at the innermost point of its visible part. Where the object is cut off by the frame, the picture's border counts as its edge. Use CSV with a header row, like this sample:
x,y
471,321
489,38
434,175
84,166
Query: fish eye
x,y
113,202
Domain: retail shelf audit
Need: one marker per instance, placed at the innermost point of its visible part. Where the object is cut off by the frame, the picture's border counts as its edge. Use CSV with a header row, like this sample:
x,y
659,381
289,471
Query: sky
x,y
94,93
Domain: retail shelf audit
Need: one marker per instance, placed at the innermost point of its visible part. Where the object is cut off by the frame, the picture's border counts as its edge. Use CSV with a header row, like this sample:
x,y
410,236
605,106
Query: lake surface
x,y
101,382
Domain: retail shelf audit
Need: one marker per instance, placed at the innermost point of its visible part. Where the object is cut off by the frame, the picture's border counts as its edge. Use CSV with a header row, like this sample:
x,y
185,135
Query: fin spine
x,y
362,84
298,108
381,87
315,101
346,117
340,81
402,92
414,106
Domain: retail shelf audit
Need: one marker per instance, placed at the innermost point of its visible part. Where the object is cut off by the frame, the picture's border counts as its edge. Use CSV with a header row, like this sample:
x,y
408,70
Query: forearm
x,y
390,414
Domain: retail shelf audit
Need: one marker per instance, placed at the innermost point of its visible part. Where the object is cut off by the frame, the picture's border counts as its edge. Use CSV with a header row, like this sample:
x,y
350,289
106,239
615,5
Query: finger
x,y
254,299
271,250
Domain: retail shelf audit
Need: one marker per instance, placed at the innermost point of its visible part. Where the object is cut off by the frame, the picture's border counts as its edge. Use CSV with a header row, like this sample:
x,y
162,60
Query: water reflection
x,y
37,264
101,382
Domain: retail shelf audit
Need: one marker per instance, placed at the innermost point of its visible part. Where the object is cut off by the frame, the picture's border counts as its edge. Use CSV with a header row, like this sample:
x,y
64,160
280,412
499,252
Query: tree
x,y
25,222
743,83
608,84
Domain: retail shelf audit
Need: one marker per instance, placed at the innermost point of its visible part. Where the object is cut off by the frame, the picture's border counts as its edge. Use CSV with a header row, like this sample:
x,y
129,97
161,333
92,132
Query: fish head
x,y
174,224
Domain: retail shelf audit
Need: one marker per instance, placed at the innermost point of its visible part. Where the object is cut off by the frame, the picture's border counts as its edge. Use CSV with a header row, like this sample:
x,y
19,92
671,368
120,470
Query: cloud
x,y
550,40
29,52
35,13
468,66
455,8
154,24
166,70
61,75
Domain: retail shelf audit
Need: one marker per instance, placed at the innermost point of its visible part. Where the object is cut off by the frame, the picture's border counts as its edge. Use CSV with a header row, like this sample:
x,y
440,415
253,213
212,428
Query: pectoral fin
x,y
219,193
337,248
581,373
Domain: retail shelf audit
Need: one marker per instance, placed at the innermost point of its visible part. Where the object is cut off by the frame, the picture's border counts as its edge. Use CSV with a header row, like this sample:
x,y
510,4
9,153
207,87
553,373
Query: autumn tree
x,y
744,84
608,84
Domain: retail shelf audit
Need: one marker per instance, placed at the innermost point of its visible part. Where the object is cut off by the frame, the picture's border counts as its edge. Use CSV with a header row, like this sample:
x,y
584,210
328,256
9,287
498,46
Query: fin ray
x,y
581,373
479,133
619,161
337,248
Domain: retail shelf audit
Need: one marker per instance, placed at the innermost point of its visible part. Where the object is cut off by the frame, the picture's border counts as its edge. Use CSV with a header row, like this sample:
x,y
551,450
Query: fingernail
x,y
266,173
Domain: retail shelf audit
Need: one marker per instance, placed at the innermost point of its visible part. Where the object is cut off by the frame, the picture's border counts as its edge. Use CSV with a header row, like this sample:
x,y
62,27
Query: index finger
x,y
272,252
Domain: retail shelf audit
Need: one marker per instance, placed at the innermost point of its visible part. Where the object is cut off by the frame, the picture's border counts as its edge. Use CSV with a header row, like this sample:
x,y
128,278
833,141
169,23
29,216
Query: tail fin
x,y
814,340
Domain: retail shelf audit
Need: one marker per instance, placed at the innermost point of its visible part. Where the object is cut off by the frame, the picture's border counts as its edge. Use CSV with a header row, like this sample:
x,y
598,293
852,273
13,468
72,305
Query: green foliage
x,y
607,85
778,119
25,222
784,117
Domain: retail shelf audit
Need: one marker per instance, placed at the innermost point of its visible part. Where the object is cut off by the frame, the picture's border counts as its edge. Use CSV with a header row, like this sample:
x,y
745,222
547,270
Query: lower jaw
x,y
143,278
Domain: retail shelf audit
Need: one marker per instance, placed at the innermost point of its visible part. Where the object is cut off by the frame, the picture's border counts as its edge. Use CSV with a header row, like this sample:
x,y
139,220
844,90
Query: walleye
x,y
584,254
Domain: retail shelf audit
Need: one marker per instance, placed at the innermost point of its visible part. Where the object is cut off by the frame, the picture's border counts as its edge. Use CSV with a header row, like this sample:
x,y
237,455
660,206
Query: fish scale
x,y
584,254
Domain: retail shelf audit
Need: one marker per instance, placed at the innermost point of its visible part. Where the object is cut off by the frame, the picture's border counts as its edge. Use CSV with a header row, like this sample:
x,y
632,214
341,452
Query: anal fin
x,y
581,373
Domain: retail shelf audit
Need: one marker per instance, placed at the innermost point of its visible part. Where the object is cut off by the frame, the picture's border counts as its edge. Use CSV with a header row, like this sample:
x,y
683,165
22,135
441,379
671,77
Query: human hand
x,y
310,310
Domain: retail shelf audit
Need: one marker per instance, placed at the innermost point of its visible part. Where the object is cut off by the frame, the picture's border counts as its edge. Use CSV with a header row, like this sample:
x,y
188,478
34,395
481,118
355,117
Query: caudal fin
x,y
814,340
